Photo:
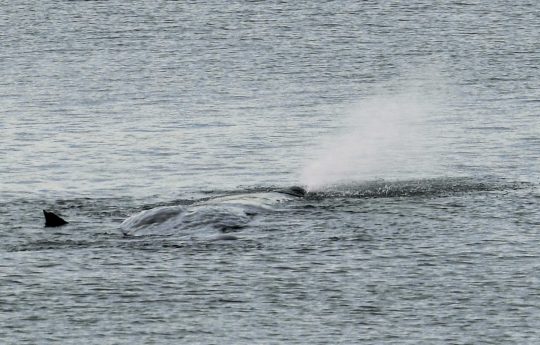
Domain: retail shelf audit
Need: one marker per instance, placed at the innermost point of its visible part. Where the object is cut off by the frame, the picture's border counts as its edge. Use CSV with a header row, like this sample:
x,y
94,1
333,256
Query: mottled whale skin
x,y
223,213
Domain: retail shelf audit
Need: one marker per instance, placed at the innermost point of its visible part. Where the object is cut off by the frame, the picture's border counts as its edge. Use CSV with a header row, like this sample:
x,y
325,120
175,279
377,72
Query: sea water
x,y
412,125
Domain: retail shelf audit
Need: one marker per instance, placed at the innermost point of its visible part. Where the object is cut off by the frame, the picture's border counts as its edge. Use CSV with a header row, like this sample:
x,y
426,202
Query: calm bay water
x,y
414,126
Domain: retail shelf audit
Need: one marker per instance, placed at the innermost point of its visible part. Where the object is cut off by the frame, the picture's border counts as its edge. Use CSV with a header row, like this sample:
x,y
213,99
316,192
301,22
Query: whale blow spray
x,y
383,137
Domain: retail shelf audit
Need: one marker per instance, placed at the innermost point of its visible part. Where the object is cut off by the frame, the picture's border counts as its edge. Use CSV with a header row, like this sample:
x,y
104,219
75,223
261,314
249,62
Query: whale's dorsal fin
x,y
52,219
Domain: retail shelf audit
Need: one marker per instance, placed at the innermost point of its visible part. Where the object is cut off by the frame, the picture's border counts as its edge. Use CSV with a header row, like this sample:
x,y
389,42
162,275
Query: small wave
x,y
58,245
143,243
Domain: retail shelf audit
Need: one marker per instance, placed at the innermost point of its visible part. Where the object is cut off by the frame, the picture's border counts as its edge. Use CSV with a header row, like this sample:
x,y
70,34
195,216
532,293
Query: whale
x,y
225,213
53,220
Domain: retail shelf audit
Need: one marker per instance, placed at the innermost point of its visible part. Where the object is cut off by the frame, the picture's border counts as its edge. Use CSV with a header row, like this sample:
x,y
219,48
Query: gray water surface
x,y
422,115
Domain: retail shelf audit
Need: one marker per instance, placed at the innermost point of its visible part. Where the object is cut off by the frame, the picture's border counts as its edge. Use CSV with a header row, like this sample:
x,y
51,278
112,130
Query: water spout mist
x,y
384,137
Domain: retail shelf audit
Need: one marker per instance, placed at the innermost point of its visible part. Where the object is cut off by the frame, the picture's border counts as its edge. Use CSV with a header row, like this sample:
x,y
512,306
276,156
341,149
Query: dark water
x,y
413,125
